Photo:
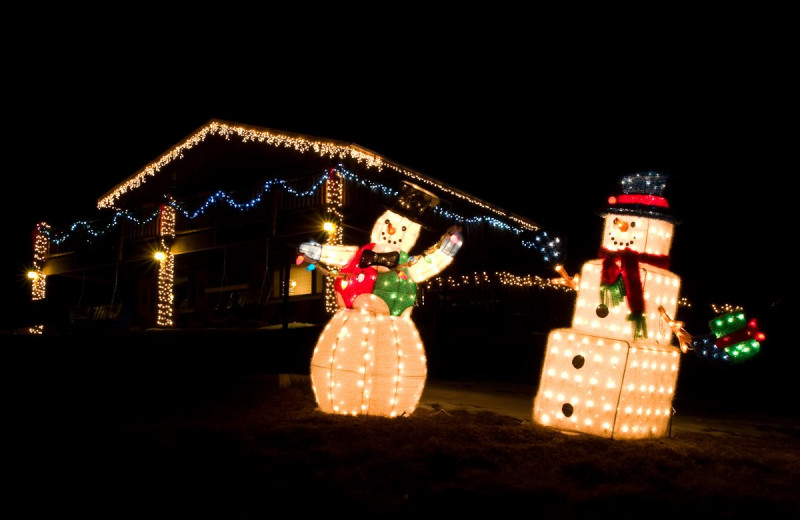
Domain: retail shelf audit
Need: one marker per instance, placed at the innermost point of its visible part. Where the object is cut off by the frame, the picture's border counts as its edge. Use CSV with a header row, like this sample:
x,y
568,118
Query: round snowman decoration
x,y
369,359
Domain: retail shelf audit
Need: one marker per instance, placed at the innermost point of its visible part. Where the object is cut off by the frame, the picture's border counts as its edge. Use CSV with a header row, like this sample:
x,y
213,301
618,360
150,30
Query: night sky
x,y
551,147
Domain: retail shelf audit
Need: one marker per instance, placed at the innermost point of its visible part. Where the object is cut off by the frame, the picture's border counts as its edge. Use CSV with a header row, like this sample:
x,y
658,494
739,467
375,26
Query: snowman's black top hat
x,y
642,195
413,202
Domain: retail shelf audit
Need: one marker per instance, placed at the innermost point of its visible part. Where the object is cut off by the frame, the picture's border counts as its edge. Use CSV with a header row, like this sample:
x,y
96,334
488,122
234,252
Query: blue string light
x,y
550,248
61,236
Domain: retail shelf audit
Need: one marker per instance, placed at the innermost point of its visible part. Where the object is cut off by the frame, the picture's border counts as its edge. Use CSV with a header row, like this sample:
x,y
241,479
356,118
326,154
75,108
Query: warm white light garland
x,y
41,245
334,197
166,268
498,277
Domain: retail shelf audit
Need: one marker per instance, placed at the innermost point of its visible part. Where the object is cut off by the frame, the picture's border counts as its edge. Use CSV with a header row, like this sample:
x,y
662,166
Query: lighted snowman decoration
x,y
613,373
637,237
369,359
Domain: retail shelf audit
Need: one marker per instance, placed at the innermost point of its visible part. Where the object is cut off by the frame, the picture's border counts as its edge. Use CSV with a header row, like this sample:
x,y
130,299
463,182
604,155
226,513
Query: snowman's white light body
x,y
661,287
393,232
369,359
598,377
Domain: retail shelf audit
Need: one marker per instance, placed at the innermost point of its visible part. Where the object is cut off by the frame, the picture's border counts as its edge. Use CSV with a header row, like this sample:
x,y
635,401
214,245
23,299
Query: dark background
x,y
535,111
542,127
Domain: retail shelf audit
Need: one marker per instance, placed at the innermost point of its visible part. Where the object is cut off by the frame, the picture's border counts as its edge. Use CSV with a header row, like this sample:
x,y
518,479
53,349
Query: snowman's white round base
x,y
369,363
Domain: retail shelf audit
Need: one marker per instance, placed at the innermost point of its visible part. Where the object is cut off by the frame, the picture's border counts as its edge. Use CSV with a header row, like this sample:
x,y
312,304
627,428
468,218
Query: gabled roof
x,y
301,147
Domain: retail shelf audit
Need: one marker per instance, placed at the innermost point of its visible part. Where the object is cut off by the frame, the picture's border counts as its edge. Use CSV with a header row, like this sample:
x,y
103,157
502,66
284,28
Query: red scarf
x,y
626,263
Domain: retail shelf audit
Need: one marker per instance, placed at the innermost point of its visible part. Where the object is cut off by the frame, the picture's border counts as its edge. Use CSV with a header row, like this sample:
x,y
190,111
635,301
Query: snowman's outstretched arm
x,y
326,253
438,257
684,338
566,279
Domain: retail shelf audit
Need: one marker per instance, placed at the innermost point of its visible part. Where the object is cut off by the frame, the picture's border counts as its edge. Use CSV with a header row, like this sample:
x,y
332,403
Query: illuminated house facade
x,y
205,236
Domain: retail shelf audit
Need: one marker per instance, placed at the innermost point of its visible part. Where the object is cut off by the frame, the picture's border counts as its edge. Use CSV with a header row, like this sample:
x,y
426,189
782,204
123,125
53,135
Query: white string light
x,y
166,268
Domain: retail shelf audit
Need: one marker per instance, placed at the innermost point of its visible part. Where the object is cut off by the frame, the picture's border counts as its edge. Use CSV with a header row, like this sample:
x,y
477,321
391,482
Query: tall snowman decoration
x,y
613,372
369,359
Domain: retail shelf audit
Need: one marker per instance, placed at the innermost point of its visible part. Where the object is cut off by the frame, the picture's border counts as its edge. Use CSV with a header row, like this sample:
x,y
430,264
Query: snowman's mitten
x,y
311,250
451,241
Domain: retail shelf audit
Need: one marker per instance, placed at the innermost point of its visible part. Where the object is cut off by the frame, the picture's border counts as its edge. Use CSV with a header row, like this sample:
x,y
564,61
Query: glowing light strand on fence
x,y
496,278
505,279
724,308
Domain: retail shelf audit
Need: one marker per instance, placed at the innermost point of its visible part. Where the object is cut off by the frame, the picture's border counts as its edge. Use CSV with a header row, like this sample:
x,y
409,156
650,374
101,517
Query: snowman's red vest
x,y
353,280
393,287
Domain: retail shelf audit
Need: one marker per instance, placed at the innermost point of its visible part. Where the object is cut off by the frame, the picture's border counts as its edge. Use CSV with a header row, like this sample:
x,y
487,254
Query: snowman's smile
x,y
391,234
621,234
621,240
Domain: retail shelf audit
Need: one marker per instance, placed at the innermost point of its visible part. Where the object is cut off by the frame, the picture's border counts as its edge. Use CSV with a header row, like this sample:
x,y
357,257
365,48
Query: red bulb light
x,y
612,200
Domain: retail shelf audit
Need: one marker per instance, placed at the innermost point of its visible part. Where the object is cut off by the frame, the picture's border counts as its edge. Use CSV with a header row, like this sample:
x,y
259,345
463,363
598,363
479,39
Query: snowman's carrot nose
x,y
390,229
621,224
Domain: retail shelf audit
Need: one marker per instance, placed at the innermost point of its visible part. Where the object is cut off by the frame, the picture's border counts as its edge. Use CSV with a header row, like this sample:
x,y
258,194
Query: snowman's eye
x,y
386,221
633,224
404,228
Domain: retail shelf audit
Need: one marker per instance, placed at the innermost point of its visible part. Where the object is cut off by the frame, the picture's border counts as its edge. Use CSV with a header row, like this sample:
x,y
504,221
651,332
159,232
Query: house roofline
x,y
301,143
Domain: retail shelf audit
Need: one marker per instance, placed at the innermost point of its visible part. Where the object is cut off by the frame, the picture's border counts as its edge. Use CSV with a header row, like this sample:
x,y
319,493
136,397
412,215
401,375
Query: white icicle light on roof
x,y
301,145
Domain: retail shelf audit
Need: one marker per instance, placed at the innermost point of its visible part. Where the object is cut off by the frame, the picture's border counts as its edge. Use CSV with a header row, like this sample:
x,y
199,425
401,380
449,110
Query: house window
x,y
301,282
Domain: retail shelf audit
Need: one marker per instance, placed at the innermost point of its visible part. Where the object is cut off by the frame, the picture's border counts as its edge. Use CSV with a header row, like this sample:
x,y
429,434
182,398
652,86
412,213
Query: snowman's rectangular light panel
x,y
643,235
661,287
606,387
